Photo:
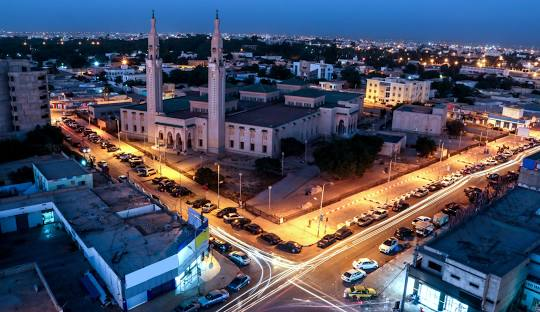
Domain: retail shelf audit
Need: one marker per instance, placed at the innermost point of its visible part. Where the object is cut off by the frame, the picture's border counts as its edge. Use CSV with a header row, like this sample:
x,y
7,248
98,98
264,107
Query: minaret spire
x,y
154,81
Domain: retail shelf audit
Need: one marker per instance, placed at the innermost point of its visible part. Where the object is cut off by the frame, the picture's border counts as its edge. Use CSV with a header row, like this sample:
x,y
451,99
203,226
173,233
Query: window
x,y
13,99
241,145
473,285
455,277
252,147
264,148
142,129
200,142
231,144
134,128
434,266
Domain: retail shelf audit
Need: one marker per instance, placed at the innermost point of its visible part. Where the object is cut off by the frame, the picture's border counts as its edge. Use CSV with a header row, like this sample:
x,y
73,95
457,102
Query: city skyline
x,y
400,21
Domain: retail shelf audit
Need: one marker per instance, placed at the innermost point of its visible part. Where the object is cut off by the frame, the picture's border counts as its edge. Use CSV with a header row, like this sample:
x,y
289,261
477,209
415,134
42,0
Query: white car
x,y
379,214
213,297
239,257
361,216
389,246
447,181
421,192
421,218
365,264
353,275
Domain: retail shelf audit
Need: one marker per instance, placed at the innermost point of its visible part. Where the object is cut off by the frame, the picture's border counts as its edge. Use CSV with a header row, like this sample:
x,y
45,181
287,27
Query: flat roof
x,y
127,244
58,169
333,97
415,109
259,88
307,92
390,138
169,105
294,82
269,116
17,290
497,240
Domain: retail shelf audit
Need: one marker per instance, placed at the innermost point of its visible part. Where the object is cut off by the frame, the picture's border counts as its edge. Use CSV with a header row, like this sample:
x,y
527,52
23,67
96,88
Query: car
x,y
219,245
239,257
139,168
270,238
363,220
156,180
253,228
198,203
424,229
421,192
359,292
379,214
146,172
225,211
389,246
433,187
451,209
240,281
490,162
113,148
213,297
479,167
102,163
228,218
400,206
190,307
421,218
403,233
343,233
240,223
84,149
493,177
447,181
208,207
180,191
365,264
326,240
457,175
122,178
290,246
353,275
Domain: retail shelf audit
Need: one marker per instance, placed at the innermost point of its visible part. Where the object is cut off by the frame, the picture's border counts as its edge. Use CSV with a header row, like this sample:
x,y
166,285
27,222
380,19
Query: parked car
x,y
326,240
111,149
213,297
353,275
240,281
400,206
290,246
404,233
240,223
190,307
343,233
379,214
219,245
208,207
198,203
122,178
156,180
363,220
421,192
421,218
494,177
424,228
228,218
451,209
270,238
447,181
359,292
365,264
389,246
253,228
440,219
225,211
146,172
239,257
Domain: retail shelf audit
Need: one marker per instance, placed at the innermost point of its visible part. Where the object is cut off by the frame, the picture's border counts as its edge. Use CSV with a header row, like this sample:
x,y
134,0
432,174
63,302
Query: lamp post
x,y
118,129
305,151
390,170
240,197
282,163
269,198
321,208
218,182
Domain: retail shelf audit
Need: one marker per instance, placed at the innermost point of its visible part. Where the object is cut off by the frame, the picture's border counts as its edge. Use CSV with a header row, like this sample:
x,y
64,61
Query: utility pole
x,y
269,198
321,208
240,197
218,182
305,151
118,129
282,163
390,170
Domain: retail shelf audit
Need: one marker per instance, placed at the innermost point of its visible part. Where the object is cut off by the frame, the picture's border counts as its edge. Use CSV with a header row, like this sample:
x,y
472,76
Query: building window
x,y
241,145
434,266
231,144
473,285
134,128
200,142
142,129
264,148
455,277
252,147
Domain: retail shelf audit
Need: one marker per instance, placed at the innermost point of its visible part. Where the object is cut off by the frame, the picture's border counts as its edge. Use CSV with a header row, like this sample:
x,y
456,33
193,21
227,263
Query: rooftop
x,y
390,138
169,105
269,116
499,239
415,109
294,81
308,92
61,168
333,97
259,88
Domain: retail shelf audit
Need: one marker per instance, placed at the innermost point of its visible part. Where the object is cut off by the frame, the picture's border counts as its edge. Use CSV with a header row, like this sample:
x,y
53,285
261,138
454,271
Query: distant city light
x,y
96,64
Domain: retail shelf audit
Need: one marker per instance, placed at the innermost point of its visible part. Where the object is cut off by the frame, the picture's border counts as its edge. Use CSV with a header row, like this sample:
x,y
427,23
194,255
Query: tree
x,y
280,72
268,166
410,69
292,147
206,176
118,79
454,127
425,146
352,76
348,157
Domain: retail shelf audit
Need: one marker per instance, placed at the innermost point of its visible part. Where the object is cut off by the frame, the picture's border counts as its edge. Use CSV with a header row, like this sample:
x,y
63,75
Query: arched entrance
x,y
341,127
179,143
170,141
189,140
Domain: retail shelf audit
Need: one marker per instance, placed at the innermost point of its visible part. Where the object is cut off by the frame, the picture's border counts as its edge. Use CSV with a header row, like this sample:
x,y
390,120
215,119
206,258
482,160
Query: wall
x,y
129,213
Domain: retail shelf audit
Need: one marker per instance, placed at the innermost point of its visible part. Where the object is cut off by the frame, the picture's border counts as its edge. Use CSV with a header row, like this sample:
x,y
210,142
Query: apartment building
x,y
393,91
313,70
24,97
420,119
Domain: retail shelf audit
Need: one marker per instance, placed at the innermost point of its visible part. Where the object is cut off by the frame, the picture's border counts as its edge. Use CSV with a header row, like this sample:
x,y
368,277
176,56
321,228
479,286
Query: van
x,y
423,228
440,219
146,172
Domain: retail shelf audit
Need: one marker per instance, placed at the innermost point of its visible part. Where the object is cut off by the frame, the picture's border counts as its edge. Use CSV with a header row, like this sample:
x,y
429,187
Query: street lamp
x,y
282,162
218,182
240,197
118,129
269,198
305,151
321,206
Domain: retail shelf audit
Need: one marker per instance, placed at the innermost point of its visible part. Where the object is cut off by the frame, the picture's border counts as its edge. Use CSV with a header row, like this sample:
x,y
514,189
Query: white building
x,y
420,119
313,70
511,118
252,123
393,91
60,174
112,72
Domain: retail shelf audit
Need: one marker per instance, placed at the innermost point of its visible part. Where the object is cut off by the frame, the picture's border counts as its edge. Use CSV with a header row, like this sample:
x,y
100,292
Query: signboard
x,y
195,219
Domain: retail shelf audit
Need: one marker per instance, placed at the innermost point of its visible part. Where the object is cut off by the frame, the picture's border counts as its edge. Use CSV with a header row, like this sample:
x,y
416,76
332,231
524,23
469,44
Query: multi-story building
x,y
24,97
393,91
312,70
420,119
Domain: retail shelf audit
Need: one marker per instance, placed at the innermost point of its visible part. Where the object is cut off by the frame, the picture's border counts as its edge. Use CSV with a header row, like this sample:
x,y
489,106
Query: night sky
x,y
507,22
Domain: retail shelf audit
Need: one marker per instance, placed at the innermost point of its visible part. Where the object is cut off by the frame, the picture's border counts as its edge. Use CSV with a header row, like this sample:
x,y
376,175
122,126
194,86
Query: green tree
x,y
292,147
425,146
280,72
268,166
118,79
454,127
208,177
352,76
